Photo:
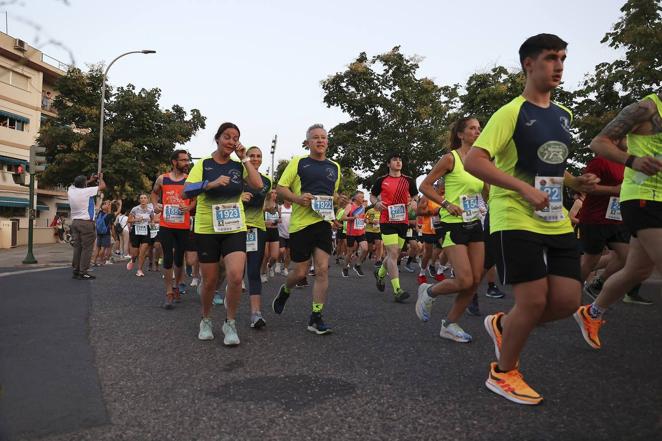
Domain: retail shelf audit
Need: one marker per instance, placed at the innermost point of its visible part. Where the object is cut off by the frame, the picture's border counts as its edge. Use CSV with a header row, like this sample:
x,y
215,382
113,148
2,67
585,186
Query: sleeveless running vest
x,y
171,197
462,189
356,227
637,185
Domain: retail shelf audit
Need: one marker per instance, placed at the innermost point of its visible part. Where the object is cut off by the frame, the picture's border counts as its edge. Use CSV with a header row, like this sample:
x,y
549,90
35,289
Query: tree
x,y
390,109
139,136
614,85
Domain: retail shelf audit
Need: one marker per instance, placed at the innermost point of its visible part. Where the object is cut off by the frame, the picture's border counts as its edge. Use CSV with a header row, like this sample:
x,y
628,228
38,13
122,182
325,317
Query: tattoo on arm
x,y
625,121
157,185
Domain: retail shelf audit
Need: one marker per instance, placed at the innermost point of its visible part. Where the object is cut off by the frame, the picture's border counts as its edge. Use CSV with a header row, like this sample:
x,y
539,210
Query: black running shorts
x,y
641,214
303,242
595,237
211,247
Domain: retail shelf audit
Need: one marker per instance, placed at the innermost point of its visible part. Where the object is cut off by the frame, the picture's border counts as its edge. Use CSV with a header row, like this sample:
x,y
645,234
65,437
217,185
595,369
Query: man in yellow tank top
x,y
633,138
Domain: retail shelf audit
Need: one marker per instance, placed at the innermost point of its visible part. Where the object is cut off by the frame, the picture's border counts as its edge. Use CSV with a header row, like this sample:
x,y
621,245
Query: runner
x,y
140,217
271,250
341,228
460,219
640,124
220,224
357,245
310,182
529,140
428,210
256,209
391,195
284,236
373,235
175,224
412,246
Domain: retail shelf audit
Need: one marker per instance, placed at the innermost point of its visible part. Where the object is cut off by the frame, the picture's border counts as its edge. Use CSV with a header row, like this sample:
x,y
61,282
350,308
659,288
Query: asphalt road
x,y
381,375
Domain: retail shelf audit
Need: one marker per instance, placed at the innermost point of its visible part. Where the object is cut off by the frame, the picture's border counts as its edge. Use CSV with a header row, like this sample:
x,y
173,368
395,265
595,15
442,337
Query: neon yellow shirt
x,y
459,183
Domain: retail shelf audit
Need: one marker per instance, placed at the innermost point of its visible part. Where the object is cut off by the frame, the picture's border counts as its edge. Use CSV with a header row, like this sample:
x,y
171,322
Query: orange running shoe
x,y
511,386
589,326
493,331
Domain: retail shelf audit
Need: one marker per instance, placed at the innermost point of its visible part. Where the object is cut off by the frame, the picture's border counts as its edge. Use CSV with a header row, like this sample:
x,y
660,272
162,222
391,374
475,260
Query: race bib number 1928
x,y
553,186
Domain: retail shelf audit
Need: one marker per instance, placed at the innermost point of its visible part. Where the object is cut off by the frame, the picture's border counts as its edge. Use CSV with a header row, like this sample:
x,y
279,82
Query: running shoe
x,y
454,332
400,296
316,324
257,321
264,278
421,279
218,299
272,272
205,330
424,303
494,292
311,272
474,308
345,271
302,283
182,288
276,269
511,386
493,331
592,289
129,264
86,276
279,301
75,275
589,326
198,289
637,299
431,271
358,270
189,270
140,273
381,285
169,301
230,331
439,277
285,271
409,268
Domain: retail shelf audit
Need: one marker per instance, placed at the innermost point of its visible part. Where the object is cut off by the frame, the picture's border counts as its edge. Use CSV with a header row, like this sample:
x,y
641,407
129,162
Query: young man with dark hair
x,y
522,153
391,195
640,125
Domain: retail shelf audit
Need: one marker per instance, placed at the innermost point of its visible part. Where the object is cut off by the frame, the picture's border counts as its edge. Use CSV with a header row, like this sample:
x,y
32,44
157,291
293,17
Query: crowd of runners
x,y
494,203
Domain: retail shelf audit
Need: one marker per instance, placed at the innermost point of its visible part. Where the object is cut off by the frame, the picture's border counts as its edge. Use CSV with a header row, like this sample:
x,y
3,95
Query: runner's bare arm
x,y
443,166
422,207
156,190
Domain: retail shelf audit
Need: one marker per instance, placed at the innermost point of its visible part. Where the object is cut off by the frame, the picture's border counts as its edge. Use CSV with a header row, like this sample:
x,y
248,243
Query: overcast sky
x,y
259,63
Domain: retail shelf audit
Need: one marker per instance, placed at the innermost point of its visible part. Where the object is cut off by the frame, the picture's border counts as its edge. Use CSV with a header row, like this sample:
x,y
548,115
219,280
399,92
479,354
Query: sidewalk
x,y
47,255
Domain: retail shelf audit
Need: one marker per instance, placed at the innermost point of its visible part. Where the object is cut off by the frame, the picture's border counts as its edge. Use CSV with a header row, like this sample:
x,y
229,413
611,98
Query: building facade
x,y
27,90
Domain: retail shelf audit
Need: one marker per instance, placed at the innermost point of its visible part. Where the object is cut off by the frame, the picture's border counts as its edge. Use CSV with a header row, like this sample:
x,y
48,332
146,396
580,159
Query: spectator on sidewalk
x,y
81,201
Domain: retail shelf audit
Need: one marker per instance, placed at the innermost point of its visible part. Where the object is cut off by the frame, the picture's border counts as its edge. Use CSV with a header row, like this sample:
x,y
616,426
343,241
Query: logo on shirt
x,y
565,123
235,177
331,174
530,123
553,152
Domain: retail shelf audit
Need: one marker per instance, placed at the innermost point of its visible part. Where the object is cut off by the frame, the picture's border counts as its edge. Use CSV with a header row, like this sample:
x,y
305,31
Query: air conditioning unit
x,y
20,45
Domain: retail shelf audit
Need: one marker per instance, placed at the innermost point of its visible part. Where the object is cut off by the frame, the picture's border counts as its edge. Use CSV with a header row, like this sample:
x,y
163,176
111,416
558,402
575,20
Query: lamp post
x,y
103,99
273,153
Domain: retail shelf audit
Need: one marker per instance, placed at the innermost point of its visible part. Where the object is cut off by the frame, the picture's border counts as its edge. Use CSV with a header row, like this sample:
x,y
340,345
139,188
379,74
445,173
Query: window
x,y
12,211
12,123
14,78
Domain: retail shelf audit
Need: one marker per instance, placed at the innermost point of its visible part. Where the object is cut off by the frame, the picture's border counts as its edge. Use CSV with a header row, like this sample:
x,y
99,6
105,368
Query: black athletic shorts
x,y
135,240
351,240
372,237
490,254
399,229
303,242
462,233
429,238
339,235
524,256
641,214
414,234
594,237
190,242
173,241
284,242
211,247
272,235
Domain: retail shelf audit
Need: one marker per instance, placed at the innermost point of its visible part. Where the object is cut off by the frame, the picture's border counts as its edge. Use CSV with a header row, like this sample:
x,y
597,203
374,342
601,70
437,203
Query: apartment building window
x,y
14,78
13,121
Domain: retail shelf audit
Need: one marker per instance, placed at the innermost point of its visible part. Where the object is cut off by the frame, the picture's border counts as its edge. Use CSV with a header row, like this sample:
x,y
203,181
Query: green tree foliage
x,y
612,86
390,109
138,135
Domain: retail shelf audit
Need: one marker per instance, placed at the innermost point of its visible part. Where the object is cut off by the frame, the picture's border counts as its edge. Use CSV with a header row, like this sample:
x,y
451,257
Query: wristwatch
x,y
630,161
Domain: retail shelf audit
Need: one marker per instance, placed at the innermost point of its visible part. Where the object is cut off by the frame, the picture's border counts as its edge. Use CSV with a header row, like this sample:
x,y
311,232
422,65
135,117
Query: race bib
x,y
323,205
470,205
172,214
553,186
226,218
359,224
271,217
397,213
141,230
614,209
153,231
410,233
251,240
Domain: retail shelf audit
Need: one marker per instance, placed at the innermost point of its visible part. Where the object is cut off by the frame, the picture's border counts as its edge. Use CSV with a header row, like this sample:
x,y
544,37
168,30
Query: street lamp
x,y
273,152
103,99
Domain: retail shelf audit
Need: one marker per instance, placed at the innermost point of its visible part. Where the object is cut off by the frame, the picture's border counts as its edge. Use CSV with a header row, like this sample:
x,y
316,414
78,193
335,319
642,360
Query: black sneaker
x,y
494,292
473,308
75,275
381,285
302,283
279,301
345,271
636,299
400,296
86,276
358,270
316,324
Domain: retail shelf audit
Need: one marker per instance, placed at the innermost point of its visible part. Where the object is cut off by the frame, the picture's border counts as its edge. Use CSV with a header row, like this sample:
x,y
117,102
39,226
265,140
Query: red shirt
x,y
171,197
394,191
356,226
595,206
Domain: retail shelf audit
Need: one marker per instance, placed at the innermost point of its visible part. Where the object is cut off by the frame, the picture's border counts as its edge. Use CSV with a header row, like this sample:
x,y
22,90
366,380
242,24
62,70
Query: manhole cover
x,y
291,391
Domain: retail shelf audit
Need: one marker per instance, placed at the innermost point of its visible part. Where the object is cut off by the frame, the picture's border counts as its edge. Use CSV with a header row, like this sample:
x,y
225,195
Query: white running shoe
x,y
285,271
272,273
424,302
276,269
205,330
195,281
264,278
230,331
454,332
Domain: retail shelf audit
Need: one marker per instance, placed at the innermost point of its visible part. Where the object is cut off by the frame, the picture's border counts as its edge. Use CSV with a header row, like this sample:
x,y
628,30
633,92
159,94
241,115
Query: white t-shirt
x,y
123,221
81,201
284,225
142,216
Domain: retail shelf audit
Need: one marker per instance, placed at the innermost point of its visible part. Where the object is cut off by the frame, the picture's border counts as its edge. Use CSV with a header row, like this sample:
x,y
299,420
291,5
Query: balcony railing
x,y
54,62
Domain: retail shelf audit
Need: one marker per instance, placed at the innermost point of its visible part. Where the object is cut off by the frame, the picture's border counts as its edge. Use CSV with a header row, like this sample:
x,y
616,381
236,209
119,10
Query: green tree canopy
x,y
139,136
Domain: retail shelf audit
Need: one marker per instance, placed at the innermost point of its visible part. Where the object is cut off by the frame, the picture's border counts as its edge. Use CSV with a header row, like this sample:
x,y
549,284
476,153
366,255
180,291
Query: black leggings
x,y
173,241
253,264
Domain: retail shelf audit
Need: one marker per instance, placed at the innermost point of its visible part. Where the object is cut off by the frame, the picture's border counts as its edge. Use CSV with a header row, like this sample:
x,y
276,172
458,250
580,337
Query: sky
x,y
259,63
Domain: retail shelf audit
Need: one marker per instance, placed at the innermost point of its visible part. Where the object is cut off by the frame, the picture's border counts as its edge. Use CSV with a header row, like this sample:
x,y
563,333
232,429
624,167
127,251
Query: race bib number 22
x,y
553,186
